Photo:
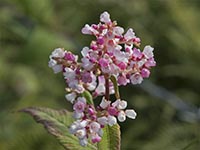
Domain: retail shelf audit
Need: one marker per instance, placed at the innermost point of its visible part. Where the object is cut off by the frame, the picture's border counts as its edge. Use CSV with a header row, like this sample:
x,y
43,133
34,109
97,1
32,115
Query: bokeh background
x,y
167,104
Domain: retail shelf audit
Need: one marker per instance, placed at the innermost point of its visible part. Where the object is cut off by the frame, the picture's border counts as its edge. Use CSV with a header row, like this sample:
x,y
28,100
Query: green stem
x,y
116,88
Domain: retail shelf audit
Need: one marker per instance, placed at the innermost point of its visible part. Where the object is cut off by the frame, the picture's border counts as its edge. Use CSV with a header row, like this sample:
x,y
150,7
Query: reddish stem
x,y
107,92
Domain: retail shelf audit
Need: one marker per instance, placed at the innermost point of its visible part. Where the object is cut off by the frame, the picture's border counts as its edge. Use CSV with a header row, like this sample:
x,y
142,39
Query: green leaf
x,y
88,97
111,138
57,123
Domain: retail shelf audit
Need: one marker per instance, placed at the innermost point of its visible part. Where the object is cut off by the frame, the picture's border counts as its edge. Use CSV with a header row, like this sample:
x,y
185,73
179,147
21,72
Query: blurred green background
x,y
167,104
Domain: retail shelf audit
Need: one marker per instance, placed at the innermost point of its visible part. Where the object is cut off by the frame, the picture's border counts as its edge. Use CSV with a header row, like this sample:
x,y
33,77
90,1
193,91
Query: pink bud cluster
x,y
116,53
113,53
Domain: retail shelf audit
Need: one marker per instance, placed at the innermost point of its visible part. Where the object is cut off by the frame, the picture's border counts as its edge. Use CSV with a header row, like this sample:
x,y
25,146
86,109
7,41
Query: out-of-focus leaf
x,y
57,124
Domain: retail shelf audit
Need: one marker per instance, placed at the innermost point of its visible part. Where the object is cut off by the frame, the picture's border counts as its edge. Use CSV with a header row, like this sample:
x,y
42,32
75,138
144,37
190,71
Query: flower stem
x,y
107,92
116,88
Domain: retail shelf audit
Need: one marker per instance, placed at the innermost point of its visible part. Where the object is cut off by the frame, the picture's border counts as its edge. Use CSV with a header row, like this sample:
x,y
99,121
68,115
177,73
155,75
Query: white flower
x,y
116,103
81,99
69,74
136,78
83,123
52,63
95,127
73,128
58,52
141,62
81,133
118,31
131,113
148,51
78,115
91,86
122,104
121,116
129,34
104,103
105,17
79,88
121,56
56,67
83,142
71,97
100,89
86,29
85,51
102,120
87,64
100,132
112,120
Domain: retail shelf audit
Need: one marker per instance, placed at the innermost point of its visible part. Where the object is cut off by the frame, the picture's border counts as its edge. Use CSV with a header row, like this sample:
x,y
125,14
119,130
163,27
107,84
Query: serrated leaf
x,y
111,138
57,123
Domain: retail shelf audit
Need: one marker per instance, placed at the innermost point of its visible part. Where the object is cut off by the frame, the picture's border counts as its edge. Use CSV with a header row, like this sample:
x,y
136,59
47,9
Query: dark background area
x,y
167,103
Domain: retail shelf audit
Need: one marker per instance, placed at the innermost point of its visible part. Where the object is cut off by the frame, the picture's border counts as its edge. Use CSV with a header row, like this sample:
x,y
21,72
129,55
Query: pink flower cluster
x,y
113,53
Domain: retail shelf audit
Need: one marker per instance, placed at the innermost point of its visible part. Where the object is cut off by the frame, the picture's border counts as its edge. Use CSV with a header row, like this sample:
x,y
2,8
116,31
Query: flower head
x,y
112,59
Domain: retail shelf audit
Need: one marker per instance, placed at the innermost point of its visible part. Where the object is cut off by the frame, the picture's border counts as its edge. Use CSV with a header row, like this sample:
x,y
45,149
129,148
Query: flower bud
x,y
131,113
112,120
104,103
121,116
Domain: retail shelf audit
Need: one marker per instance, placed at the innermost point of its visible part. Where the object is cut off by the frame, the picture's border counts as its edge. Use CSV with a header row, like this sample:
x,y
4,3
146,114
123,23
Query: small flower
x,y
78,115
137,53
86,77
87,64
86,29
69,74
81,133
145,73
57,53
80,105
70,57
129,34
56,67
118,31
104,103
130,113
71,97
148,51
122,104
136,78
111,120
105,17
122,80
112,111
85,51
96,138
92,85
121,116
102,120
83,142
150,63
94,127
